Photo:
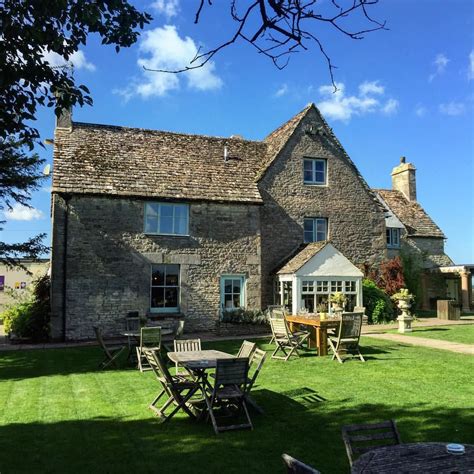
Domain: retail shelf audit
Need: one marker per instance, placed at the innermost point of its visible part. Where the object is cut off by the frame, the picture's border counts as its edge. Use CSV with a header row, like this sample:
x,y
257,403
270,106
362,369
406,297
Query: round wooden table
x,y
417,457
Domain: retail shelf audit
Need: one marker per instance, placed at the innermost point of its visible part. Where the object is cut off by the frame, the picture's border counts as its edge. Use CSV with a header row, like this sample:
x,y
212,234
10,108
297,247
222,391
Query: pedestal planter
x,y
405,319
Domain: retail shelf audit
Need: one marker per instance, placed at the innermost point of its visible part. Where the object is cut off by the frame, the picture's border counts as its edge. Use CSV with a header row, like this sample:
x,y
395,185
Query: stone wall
x,y
109,258
356,225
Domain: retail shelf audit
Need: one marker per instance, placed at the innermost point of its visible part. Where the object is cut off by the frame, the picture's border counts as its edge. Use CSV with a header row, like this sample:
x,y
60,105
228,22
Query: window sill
x,y
319,185
167,235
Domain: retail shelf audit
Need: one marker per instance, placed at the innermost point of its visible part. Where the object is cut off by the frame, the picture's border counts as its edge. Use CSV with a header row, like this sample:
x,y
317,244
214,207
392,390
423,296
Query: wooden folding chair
x,y
111,351
285,340
179,390
150,338
186,345
359,439
256,362
293,466
348,336
228,392
246,349
275,312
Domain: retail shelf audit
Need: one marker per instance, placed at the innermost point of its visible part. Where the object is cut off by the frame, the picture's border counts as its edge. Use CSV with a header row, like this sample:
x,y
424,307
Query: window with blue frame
x,y
314,171
315,229
393,238
232,292
166,218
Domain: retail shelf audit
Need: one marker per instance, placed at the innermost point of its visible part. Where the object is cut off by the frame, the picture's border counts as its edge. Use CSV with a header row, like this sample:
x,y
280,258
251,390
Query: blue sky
x,y
407,92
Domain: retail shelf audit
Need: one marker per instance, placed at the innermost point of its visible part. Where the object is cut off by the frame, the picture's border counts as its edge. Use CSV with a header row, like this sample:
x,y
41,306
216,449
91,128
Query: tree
x,y
280,28
30,30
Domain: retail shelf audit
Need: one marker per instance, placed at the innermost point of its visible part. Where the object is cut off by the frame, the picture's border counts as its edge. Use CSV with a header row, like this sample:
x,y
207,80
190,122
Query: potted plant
x,y
322,311
338,301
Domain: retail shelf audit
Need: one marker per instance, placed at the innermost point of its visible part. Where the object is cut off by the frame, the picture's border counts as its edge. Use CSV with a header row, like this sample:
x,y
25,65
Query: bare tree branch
x,y
288,26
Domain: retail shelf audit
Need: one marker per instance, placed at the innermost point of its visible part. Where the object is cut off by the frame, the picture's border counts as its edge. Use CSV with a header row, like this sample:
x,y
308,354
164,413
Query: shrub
x,y
378,306
244,316
30,319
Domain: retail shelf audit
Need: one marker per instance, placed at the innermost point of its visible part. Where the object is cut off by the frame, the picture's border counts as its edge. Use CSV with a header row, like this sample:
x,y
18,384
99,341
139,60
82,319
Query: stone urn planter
x,y
404,302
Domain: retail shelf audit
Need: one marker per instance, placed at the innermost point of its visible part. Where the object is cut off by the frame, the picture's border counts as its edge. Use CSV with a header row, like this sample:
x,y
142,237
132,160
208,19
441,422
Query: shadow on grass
x,y
182,445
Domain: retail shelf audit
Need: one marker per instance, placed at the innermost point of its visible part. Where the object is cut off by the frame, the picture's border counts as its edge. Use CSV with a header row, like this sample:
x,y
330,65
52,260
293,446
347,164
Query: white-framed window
x,y
393,237
166,218
316,293
165,288
232,292
314,171
315,229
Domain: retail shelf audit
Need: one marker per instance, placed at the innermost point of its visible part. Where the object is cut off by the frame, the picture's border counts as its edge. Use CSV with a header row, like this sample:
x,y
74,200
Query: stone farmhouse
x,y
187,226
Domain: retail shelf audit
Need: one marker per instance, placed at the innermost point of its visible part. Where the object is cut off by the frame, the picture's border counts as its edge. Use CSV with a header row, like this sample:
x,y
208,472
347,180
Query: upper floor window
x,y
393,237
166,218
315,229
314,171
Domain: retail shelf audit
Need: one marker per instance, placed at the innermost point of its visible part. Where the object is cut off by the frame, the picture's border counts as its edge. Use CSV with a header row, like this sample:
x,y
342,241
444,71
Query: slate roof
x,y
302,255
102,159
417,222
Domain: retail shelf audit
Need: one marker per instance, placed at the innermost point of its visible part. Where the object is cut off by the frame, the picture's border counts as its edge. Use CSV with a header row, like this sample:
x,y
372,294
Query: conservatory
x,y
306,281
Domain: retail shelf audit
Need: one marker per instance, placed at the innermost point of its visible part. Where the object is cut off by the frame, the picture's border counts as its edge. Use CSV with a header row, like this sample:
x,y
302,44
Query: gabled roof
x,y
417,222
98,159
302,255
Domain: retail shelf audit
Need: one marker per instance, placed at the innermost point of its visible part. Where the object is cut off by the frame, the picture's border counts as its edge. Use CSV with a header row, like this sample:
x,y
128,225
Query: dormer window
x,y
166,218
314,171
393,238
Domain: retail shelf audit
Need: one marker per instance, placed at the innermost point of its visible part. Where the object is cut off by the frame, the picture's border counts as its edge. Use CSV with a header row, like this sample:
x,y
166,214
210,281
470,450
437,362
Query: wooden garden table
x,y
319,334
417,457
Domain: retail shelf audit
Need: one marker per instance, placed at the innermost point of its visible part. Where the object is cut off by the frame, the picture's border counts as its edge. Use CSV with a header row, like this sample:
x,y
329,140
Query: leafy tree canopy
x,y
30,29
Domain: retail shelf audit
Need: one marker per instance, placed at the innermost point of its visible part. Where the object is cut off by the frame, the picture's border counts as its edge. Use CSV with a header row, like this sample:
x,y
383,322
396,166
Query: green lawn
x,y
463,334
58,414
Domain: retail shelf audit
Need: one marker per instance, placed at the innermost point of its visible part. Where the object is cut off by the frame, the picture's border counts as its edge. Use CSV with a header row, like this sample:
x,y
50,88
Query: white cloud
x,y
470,71
440,63
373,87
390,107
339,106
23,213
420,110
452,108
168,8
78,60
163,48
283,90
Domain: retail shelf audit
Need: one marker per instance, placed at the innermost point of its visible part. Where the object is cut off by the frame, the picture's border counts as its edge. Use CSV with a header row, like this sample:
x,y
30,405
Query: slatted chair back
x,y
256,362
100,339
150,338
232,372
246,349
279,328
132,324
278,312
351,325
293,466
158,366
359,439
187,345
179,329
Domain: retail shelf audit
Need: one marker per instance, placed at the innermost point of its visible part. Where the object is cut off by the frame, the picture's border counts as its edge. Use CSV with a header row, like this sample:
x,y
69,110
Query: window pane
x,y
158,276
157,297
166,225
308,165
181,210
319,165
151,224
236,286
308,302
308,176
236,301
171,297
172,275
309,225
180,226
152,209
228,286
228,301
319,177
321,230
308,237
166,210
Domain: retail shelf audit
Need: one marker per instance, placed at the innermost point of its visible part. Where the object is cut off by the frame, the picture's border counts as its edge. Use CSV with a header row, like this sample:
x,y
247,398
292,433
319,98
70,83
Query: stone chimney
x,y
64,117
404,179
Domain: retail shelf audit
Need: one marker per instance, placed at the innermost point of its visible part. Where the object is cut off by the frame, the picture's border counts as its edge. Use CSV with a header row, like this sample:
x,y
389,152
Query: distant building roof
x,y
302,255
417,222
